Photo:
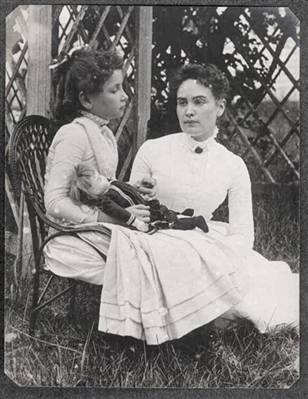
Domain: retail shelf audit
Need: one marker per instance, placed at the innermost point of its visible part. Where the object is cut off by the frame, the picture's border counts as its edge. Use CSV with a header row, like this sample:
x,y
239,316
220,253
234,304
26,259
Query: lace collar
x,y
95,118
199,146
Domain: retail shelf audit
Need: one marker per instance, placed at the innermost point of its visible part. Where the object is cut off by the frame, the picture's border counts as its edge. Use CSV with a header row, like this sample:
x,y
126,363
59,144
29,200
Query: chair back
x,y
28,149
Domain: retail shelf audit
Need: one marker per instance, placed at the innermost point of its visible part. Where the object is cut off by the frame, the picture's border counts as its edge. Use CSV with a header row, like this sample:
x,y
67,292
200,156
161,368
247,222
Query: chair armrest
x,y
82,228
73,228
73,231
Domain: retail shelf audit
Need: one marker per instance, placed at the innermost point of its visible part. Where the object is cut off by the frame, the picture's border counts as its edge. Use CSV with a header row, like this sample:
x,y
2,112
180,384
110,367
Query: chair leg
x,y
37,252
35,294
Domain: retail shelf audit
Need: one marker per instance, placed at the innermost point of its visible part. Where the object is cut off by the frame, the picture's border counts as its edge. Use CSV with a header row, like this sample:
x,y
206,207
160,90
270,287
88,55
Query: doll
x,y
113,197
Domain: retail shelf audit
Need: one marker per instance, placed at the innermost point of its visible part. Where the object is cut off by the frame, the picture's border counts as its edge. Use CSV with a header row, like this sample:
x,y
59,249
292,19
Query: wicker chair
x,y
28,149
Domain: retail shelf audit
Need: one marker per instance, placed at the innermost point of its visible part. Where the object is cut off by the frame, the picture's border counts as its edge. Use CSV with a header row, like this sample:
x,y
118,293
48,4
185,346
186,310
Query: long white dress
x,y
86,140
267,291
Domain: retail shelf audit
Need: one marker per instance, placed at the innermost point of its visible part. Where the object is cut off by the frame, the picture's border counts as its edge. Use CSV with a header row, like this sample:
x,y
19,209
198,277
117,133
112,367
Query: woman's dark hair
x,y
208,75
84,70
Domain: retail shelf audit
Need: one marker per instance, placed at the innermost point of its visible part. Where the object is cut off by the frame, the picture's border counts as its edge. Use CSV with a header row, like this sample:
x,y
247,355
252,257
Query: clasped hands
x,y
146,187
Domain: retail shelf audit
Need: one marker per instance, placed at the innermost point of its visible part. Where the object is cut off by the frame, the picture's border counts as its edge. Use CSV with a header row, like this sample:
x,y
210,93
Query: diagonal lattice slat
x,y
74,29
257,157
122,27
99,26
278,147
283,143
280,63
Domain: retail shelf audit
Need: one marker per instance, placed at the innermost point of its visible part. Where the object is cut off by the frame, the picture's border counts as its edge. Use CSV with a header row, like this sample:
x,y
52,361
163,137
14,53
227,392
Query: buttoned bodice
x,y
186,179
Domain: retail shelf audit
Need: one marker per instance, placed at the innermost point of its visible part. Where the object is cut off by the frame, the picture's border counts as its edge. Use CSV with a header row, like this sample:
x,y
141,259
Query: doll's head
x,y
89,181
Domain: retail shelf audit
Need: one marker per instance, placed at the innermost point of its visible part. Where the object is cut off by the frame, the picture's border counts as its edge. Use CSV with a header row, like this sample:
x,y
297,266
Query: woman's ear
x,y
85,101
221,106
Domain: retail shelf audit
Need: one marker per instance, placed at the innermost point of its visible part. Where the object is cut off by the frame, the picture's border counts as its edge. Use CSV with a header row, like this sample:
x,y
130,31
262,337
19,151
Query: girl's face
x,y
197,109
99,185
110,102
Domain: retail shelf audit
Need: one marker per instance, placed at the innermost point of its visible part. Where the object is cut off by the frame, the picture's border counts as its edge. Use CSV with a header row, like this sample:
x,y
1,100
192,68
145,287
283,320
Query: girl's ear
x,y
85,101
221,106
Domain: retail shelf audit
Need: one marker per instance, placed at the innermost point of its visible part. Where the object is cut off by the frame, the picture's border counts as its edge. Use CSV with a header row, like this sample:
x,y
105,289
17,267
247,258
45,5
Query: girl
x,y
88,87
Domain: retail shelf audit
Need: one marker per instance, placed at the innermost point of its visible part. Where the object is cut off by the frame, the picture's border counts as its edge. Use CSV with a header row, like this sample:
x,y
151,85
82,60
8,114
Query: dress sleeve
x,y
240,203
142,163
69,149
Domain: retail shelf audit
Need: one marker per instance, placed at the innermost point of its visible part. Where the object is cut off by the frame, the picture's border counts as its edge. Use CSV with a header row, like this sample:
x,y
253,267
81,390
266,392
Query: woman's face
x,y
197,109
110,102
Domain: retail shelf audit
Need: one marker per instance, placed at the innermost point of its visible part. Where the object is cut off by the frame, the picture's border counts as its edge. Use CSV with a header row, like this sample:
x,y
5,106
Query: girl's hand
x,y
146,187
140,225
141,212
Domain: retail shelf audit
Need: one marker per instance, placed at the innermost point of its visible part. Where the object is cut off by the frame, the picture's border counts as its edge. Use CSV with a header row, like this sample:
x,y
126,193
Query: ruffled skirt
x,y
160,287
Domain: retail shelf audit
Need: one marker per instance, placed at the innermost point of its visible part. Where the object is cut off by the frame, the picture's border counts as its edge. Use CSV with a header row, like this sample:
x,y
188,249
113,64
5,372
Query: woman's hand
x,y
146,187
141,212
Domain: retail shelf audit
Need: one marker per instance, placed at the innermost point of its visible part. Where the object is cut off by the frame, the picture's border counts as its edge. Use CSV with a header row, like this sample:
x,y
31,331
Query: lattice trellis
x,y
261,137
283,143
263,128
15,88
108,27
262,125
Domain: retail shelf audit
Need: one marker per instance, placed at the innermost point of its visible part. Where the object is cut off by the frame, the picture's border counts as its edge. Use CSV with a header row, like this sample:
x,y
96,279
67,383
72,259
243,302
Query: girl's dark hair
x,y
85,70
208,75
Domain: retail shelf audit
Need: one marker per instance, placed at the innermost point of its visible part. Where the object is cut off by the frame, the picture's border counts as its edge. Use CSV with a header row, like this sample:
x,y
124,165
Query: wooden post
x,y
38,99
39,82
144,20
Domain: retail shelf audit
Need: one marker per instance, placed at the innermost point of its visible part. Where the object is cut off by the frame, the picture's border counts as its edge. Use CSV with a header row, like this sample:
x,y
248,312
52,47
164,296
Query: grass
x,y
67,354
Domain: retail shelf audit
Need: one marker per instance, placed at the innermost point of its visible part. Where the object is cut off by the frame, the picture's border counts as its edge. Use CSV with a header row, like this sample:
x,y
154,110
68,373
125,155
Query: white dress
x,y
87,141
186,179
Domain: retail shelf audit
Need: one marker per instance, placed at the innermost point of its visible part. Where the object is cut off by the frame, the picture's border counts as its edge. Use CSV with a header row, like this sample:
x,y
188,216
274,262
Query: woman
x,y
89,94
192,170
